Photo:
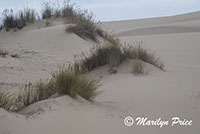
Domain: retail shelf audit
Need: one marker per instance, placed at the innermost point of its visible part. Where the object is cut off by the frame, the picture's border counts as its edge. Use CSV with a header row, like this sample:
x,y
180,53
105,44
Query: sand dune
x,y
160,30
122,26
159,94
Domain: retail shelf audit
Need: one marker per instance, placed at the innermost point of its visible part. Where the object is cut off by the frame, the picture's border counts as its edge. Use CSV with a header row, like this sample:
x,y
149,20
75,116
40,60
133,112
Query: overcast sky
x,y
107,10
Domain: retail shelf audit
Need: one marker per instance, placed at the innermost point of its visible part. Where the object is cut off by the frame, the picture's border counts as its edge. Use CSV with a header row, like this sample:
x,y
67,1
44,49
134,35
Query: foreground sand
x,y
175,92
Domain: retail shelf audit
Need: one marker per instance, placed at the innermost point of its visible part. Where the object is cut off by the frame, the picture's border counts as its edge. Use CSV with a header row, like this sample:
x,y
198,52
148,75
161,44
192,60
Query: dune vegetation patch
x,y
138,67
68,82
18,20
64,82
85,30
6,101
113,55
141,53
85,25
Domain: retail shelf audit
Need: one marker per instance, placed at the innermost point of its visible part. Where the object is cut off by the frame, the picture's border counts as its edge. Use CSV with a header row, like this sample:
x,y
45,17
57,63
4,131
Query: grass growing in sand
x,y
113,55
67,81
138,67
22,18
34,93
84,27
138,52
64,82
6,101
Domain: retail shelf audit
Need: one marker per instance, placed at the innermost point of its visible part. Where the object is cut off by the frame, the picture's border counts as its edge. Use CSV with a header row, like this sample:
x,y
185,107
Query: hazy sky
x,y
106,10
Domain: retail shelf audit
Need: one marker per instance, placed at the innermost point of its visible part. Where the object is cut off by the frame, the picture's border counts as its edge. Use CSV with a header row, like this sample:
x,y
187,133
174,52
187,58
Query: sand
x,y
175,92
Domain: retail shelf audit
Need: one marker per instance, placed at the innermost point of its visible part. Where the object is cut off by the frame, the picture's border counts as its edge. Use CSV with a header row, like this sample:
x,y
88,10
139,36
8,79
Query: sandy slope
x,y
175,92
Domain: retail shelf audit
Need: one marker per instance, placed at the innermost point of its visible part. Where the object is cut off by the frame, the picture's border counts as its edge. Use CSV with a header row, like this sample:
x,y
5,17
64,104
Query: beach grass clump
x,y
99,56
24,17
71,83
47,11
138,67
138,52
66,82
34,93
88,88
69,12
113,55
85,30
9,20
7,101
84,25
19,20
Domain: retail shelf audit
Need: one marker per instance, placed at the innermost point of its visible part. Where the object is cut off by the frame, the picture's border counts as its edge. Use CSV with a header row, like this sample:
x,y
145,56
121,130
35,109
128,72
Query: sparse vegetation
x,y
84,24
6,101
85,30
138,52
19,20
113,55
34,93
99,56
88,88
64,82
47,10
67,81
138,67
